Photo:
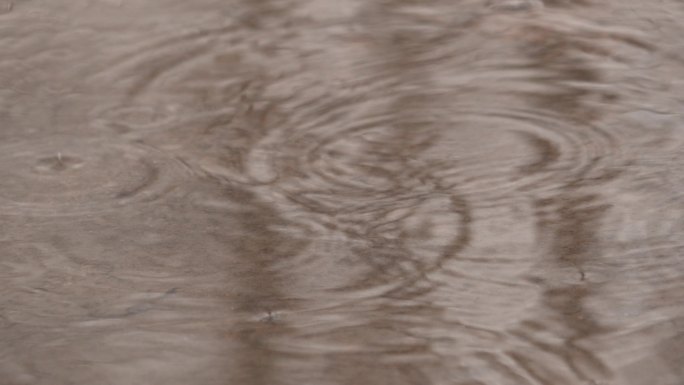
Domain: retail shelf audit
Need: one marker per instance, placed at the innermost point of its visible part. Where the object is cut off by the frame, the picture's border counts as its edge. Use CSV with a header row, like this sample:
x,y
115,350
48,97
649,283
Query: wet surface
x,y
341,192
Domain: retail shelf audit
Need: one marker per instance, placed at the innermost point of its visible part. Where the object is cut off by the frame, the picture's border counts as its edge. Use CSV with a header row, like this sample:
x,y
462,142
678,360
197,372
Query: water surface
x,y
328,192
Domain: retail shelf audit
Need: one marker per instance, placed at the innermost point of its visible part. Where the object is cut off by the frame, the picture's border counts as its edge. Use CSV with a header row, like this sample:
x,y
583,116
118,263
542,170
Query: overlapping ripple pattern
x,y
476,192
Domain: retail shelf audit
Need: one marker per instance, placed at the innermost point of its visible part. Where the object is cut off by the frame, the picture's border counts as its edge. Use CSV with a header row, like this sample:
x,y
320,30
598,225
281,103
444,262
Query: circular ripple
x,y
71,177
481,154
356,189
541,153
357,176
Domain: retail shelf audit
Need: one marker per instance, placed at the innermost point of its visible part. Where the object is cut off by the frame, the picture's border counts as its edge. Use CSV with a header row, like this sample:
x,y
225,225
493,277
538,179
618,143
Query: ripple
x,y
62,176
378,180
193,58
547,153
134,119
369,212
40,277
542,153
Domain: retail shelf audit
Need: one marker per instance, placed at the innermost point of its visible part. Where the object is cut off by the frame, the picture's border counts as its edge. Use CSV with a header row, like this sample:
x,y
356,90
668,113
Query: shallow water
x,y
341,192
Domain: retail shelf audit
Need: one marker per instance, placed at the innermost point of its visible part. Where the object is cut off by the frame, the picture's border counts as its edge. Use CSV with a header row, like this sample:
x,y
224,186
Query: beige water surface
x,y
319,192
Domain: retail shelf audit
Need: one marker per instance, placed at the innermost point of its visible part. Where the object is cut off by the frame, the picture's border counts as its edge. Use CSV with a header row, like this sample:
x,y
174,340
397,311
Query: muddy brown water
x,y
341,192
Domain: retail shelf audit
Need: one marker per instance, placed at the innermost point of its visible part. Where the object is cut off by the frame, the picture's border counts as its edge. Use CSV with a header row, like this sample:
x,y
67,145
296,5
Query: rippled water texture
x,y
328,192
